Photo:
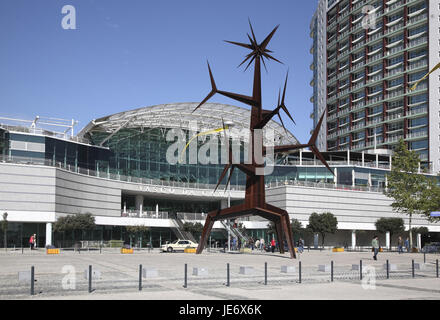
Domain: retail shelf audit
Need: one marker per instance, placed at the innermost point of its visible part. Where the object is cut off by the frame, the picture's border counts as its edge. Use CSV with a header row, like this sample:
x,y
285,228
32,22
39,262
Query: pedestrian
x,y
234,243
375,245
35,240
273,244
407,244
239,244
301,245
257,244
262,244
400,245
31,242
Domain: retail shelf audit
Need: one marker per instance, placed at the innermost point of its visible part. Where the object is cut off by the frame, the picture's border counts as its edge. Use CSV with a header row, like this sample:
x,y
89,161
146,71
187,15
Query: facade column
x,y
49,234
419,241
353,180
335,178
157,211
223,203
300,157
139,203
316,241
353,239
388,240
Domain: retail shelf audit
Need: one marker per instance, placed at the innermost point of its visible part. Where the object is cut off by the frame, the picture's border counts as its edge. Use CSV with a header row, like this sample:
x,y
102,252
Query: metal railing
x,y
144,214
323,185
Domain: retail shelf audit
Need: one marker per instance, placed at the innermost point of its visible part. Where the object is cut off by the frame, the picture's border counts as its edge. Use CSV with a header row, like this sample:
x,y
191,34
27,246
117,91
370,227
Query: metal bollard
x,y
140,277
90,278
413,272
227,275
424,257
360,269
388,269
265,273
185,283
436,267
32,280
299,271
331,271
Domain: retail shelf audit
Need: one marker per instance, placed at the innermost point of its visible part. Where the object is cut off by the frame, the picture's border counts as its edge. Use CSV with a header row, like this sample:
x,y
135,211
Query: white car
x,y
178,245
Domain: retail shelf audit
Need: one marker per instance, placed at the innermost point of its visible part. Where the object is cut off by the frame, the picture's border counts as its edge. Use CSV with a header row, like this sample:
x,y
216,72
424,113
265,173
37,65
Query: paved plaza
x,y
117,276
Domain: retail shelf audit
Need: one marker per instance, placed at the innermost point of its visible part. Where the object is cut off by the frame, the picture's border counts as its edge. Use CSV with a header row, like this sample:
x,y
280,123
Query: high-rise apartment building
x,y
366,56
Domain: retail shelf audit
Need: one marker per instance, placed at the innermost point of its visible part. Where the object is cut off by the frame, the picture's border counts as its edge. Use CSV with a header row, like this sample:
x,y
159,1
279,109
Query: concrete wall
x,y
355,210
27,188
82,194
434,84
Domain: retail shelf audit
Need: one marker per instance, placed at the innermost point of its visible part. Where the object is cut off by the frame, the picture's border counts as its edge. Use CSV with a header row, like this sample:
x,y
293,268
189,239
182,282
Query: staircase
x,y
178,229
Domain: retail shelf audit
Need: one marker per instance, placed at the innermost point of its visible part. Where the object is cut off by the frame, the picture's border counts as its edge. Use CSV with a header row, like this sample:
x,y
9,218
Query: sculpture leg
x,y
279,231
289,235
206,231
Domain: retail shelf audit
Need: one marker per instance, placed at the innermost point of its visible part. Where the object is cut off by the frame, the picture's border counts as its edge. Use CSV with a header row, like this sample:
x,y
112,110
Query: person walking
x,y
407,244
257,244
375,245
301,245
273,244
262,244
400,245
35,240
234,244
31,242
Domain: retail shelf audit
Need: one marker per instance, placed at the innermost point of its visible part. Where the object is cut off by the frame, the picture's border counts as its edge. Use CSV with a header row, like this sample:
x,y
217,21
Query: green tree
x,y
194,228
4,226
323,224
391,225
409,189
75,223
421,230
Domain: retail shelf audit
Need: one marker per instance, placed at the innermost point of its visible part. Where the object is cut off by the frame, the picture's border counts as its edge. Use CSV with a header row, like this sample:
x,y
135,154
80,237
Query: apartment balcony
x,y
417,135
394,7
417,65
393,139
417,112
418,19
417,42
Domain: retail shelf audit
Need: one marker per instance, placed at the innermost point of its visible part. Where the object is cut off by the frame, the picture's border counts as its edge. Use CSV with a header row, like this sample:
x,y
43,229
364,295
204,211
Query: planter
x,y
246,250
127,251
53,251
415,250
338,249
190,250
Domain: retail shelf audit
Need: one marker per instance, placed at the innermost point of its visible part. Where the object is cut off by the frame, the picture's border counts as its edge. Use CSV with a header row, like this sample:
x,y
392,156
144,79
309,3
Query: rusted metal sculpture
x,y
255,199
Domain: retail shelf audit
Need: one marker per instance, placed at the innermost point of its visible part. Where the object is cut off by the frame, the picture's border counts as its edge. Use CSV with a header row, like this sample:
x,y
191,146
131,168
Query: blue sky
x,y
134,53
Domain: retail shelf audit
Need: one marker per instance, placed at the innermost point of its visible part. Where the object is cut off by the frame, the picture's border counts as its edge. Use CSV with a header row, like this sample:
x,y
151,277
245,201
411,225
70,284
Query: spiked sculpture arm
x,y
238,97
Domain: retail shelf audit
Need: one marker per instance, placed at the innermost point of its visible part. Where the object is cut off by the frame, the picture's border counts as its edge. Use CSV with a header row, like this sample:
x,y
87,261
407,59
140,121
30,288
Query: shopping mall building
x,y
116,168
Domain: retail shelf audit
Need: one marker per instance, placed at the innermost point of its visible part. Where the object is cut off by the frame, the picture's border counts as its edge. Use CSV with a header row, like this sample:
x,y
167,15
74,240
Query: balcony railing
x,y
144,214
